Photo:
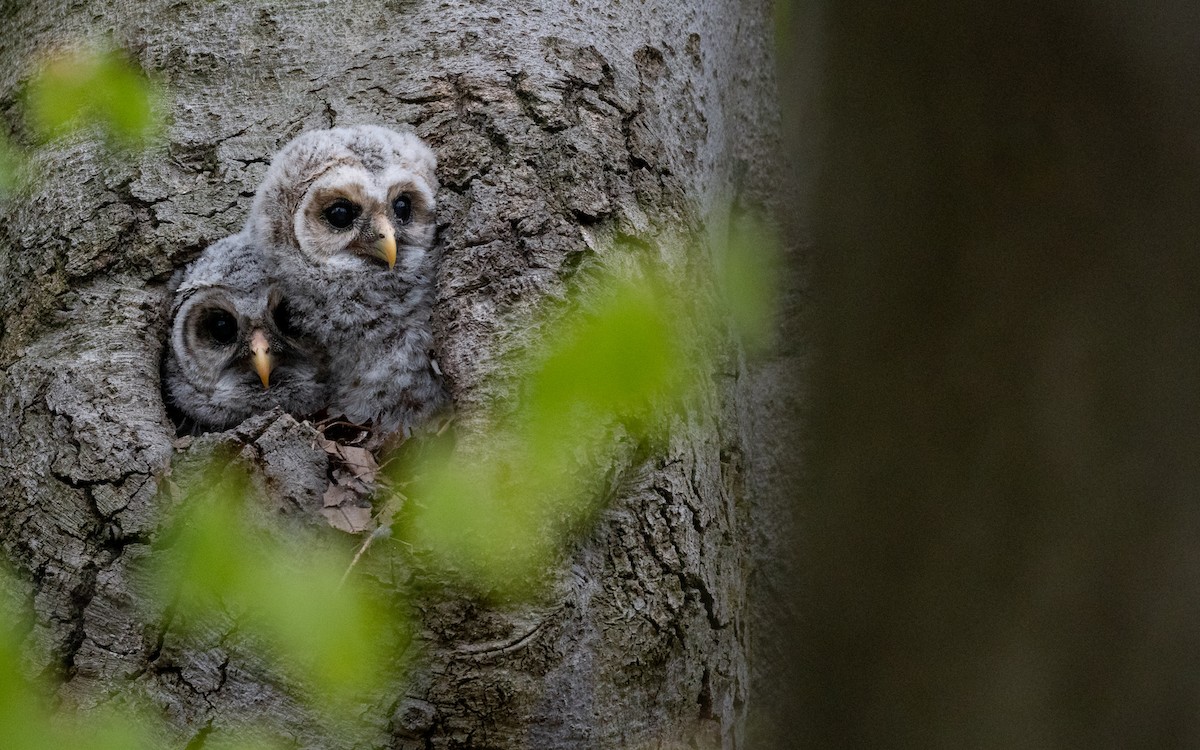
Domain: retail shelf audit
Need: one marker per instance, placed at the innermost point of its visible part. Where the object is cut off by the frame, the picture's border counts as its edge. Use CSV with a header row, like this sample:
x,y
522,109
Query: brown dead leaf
x,y
337,495
349,518
352,473
360,462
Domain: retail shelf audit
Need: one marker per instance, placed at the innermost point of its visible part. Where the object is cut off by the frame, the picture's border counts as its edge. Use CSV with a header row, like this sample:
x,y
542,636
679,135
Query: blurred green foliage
x,y
93,85
609,374
608,380
27,719
749,269
86,86
227,563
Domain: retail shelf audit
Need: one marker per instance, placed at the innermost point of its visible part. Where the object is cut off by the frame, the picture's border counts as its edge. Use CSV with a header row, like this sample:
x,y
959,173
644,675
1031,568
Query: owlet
x,y
236,347
348,215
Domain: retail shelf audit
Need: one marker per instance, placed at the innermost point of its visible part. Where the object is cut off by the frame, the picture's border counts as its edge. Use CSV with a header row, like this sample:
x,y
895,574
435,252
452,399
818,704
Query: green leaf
x,y
749,275
616,360
26,718
93,86
611,371
12,162
282,585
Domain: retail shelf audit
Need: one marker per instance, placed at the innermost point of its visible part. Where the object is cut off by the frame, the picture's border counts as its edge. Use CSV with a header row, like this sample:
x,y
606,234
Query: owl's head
x,y
236,351
361,197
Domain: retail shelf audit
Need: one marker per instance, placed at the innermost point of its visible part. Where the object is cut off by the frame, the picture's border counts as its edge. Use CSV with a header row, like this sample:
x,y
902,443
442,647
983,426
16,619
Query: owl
x,y
348,214
236,347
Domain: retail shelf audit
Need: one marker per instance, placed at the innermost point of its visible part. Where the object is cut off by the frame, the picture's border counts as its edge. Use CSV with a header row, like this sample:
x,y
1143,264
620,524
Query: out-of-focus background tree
x,y
1001,523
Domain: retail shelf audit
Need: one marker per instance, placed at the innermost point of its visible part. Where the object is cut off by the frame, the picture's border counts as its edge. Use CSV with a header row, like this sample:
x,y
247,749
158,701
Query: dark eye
x,y
285,321
341,214
220,326
403,208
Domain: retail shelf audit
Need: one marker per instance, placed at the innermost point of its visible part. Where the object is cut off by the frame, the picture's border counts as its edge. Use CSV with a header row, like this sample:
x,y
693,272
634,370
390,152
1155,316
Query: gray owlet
x,y
349,212
235,348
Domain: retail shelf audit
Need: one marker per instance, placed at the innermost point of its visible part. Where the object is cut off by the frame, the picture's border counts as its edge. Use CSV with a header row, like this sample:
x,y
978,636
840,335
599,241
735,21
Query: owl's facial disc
x,y
375,237
352,216
260,355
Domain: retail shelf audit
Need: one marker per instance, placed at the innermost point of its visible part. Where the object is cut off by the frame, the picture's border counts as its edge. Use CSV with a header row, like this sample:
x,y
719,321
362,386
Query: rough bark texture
x,y
562,128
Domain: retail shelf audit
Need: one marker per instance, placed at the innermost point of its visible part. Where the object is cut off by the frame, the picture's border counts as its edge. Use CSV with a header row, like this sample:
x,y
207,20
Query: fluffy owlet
x,y
349,215
235,347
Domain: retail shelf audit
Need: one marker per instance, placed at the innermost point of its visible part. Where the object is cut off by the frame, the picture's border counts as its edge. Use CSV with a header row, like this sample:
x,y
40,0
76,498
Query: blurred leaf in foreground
x,y
23,716
12,161
281,587
246,737
748,270
91,85
26,719
609,377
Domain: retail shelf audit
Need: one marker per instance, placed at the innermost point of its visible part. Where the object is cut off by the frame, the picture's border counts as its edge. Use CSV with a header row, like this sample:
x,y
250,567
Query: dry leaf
x,y
337,495
360,462
352,472
350,519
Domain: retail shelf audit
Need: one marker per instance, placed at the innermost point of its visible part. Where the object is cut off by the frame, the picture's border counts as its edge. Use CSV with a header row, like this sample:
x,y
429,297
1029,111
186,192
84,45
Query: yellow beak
x,y
261,351
385,246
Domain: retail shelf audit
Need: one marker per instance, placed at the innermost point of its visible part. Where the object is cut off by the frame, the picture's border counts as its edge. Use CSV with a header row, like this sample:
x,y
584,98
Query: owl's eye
x,y
403,208
341,214
285,321
220,326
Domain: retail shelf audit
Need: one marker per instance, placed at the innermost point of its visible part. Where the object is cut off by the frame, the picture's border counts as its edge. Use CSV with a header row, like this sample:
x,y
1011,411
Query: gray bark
x,y
561,128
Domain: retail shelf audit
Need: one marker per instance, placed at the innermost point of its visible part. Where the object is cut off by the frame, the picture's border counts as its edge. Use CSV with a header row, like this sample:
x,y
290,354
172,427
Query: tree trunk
x,y
565,133
1000,531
